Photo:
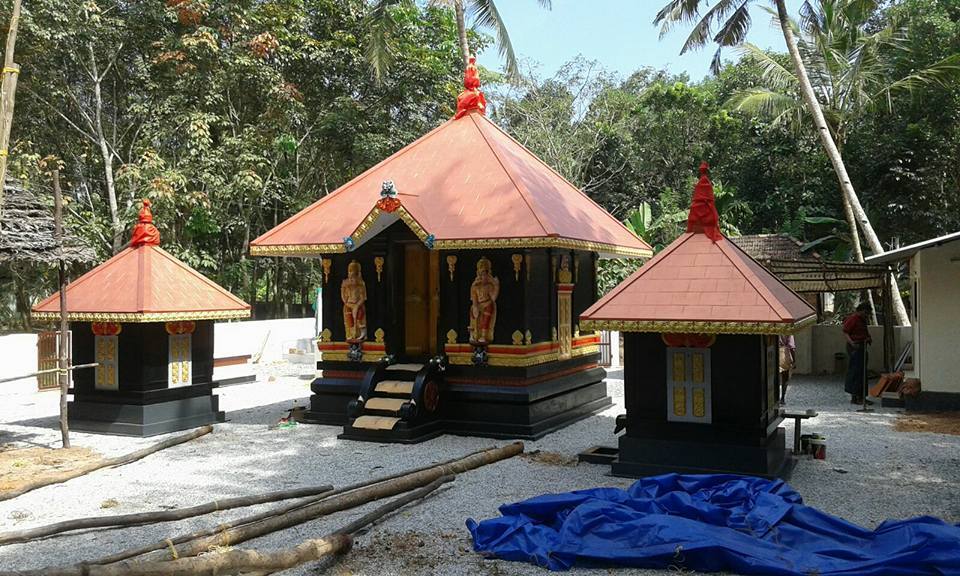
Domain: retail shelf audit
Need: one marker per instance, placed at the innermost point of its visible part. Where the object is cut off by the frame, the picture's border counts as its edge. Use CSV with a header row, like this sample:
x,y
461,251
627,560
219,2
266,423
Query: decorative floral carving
x,y
517,262
378,263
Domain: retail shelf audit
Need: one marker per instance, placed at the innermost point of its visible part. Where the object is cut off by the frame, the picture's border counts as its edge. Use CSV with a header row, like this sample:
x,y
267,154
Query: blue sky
x,y
618,33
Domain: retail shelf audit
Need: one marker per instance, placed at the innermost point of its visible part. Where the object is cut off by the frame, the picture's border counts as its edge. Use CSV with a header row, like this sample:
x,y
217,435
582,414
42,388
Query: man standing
x,y
858,337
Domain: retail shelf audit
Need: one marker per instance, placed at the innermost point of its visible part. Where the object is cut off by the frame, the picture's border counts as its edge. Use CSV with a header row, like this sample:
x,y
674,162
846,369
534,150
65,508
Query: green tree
x,y
381,29
731,20
852,69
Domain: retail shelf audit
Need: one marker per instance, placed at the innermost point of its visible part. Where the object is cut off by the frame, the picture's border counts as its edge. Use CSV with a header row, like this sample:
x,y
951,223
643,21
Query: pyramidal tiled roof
x,y
699,284
144,283
465,184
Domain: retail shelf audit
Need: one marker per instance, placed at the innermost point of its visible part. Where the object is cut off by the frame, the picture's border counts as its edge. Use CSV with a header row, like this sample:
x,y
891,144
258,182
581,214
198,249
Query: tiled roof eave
x,y
306,250
145,317
698,326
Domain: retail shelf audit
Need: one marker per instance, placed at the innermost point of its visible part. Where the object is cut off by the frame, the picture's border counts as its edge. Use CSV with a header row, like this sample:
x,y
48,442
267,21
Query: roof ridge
x,y
143,268
523,193
772,301
563,178
344,187
196,274
646,267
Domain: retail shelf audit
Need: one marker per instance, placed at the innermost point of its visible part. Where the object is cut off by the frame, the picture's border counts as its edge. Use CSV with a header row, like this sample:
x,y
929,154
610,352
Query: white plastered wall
x,y
937,326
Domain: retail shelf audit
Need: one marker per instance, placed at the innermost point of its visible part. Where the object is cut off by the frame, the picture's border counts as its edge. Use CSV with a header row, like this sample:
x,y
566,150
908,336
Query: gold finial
x,y
528,337
378,335
452,337
517,338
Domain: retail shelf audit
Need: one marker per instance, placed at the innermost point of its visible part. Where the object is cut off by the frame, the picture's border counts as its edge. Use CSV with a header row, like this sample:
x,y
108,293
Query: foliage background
x,y
233,115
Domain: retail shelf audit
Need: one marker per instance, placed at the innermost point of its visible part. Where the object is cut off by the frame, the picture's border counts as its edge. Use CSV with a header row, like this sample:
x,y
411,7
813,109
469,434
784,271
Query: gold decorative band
x,y
303,250
143,317
698,327
518,361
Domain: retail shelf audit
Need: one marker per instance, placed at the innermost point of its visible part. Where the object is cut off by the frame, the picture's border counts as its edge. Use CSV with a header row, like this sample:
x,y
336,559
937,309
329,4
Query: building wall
x,y
817,346
937,325
18,353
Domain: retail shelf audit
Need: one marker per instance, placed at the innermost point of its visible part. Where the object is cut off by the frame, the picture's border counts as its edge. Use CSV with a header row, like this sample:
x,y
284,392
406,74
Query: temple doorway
x,y
421,297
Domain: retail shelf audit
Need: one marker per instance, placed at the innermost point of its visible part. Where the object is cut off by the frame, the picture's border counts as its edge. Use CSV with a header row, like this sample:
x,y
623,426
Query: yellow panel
x,y
679,400
679,367
699,406
698,367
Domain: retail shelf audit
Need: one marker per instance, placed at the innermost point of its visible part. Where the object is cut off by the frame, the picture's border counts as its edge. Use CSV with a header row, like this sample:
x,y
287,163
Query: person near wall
x,y
858,338
788,361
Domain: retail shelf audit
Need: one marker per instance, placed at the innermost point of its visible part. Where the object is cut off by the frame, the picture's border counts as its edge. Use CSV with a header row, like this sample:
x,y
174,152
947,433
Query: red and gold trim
x,y
106,328
337,351
183,327
674,340
522,355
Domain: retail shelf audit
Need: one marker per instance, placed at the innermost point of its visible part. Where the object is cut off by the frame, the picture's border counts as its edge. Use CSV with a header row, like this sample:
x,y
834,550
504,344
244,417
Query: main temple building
x,y
453,275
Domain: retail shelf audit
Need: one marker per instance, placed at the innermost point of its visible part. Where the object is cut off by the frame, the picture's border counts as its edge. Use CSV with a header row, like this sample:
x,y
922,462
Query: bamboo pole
x,y
63,374
8,90
246,561
132,553
142,518
327,506
48,371
108,463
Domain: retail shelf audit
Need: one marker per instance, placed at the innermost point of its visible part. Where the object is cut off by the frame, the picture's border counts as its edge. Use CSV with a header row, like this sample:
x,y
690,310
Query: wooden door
x,y
420,300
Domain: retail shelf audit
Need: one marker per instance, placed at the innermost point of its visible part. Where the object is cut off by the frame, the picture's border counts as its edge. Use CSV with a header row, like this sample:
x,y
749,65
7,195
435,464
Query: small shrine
x,y
453,273
146,319
701,321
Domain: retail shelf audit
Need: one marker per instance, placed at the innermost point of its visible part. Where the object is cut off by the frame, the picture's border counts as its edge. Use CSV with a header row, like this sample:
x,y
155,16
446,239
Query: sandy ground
x,y
872,472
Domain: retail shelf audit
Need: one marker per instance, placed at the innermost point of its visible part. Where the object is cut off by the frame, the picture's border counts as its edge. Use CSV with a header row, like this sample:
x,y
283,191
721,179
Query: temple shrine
x,y
147,319
453,273
701,321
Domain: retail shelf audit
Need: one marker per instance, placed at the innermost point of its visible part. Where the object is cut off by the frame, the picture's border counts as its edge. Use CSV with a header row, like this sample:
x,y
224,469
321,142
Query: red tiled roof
x,y
143,284
700,285
464,184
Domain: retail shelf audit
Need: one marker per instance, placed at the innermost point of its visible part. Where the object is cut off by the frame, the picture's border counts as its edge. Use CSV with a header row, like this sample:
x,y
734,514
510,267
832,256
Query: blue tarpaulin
x,y
710,523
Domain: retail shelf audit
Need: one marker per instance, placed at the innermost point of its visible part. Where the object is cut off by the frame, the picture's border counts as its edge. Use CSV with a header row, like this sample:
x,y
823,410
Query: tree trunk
x,y
105,153
10,71
462,31
62,342
830,147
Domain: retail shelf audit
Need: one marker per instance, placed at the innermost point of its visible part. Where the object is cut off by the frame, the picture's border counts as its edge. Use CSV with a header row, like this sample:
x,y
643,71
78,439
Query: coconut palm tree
x,y
848,64
727,23
484,14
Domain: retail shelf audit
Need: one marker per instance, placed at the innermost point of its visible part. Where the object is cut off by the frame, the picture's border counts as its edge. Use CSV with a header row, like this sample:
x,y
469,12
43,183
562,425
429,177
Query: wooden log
x,y
245,561
327,506
142,518
63,375
134,552
109,462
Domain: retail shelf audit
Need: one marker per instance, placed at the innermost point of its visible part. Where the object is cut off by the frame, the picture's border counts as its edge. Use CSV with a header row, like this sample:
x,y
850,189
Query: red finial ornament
x,y
145,233
471,98
703,216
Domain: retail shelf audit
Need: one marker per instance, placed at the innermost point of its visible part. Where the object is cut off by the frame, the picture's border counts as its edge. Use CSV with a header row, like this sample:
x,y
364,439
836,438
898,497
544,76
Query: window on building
x,y
179,367
688,385
106,374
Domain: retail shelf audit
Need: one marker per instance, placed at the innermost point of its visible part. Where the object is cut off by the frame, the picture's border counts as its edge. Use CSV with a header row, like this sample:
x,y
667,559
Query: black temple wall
x,y
739,386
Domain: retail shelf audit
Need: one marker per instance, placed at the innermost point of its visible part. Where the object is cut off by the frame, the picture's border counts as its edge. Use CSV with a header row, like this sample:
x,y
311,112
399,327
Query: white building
x,y
935,285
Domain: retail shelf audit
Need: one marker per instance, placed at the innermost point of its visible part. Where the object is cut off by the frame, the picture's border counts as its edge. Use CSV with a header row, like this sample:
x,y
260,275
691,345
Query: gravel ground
x,y
871,473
